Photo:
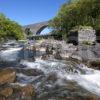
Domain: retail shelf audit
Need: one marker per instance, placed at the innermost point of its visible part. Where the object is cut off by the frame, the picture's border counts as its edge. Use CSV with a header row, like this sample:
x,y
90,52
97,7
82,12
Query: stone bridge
x,y
37,27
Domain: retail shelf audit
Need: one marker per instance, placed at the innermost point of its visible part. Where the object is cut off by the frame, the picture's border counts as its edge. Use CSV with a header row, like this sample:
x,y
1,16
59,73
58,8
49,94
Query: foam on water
x,y
45,66
18,84
10,54
89,81
25,79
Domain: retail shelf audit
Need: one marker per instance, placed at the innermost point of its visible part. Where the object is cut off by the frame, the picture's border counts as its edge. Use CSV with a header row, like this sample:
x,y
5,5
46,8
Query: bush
x,y
10,29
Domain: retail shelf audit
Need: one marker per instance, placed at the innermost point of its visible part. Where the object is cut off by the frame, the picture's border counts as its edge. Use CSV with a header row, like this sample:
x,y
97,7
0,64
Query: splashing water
x,y
90,80
10,54
85,77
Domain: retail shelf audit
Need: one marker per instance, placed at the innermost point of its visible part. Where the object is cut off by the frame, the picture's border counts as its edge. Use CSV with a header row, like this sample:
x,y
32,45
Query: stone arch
x,y
40,29
37,27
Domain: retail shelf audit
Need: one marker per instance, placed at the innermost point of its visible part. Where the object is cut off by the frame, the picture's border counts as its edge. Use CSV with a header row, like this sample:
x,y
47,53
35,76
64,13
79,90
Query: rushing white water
x,y
11,54
23,78
89,81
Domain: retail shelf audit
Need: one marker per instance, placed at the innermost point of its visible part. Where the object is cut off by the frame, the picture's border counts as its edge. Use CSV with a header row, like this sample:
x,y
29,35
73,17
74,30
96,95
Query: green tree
x,y
75,14
10,29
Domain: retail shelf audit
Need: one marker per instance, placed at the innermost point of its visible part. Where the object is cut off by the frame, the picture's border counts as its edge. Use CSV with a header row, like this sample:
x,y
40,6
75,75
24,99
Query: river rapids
x,y
53,79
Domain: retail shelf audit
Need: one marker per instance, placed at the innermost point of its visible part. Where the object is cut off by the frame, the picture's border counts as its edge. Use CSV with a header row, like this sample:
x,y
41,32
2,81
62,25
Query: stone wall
x,y
87,35
84,35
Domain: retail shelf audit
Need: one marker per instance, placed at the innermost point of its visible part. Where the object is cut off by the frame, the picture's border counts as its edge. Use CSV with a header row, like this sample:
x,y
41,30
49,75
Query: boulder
x,y
90,97
47,50
27,90
2,97
95,64
29,72
7,76
7,91
22,92
13,98
52,77
69,98
84,53
44,57
57,55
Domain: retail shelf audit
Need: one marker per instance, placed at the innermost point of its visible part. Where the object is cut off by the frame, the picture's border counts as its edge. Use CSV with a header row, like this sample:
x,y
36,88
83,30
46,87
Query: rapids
x,y
86,77
60,71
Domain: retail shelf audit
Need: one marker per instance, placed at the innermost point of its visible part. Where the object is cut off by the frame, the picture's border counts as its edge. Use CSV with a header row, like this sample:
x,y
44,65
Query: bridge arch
x,y
36,28
41,29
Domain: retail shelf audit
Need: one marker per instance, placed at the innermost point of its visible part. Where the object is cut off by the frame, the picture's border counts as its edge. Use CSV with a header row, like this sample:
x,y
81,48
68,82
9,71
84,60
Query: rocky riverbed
x,y
49,70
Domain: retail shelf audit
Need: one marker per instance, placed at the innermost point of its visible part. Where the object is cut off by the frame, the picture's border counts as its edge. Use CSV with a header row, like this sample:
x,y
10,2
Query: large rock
x,y
57,55
2,97
84,53
28,90
7,76
7,91
96,50
91,97
94,64
29,72
52,77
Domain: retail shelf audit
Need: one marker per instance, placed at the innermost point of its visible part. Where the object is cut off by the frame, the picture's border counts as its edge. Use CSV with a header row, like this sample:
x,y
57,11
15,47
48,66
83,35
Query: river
x,y
53,79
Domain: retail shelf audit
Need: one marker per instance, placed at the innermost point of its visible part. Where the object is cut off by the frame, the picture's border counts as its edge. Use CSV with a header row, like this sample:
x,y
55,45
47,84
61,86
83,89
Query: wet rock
x,y
7,76
47,50
96,50
84,53
27,98
28,90
34,49
7,91
95,64
52,77
57,55
13,98
71,88
2,97
90,97
69,98
30,72
44,57
25,90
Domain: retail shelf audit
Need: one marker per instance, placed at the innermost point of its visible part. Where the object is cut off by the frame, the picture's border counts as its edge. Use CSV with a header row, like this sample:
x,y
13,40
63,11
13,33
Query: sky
x,y
30,11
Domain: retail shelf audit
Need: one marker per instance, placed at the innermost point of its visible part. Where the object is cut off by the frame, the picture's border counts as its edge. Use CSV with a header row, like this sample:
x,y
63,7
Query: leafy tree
x,y
76,13
10,29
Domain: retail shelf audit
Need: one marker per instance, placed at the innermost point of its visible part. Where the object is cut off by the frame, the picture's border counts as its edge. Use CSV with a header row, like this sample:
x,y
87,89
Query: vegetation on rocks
x,y
10,29
76,13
